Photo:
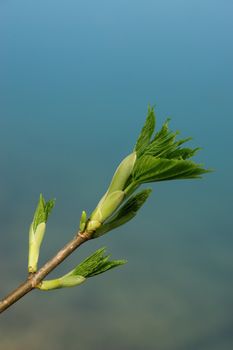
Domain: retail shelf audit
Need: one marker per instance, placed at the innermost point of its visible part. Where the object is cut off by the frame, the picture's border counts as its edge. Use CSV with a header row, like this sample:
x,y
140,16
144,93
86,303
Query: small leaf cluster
x,y
162,157
156,157
95,264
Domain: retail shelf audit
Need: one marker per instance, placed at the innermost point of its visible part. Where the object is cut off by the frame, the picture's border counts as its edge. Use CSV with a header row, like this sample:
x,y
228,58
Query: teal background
x,y
76,78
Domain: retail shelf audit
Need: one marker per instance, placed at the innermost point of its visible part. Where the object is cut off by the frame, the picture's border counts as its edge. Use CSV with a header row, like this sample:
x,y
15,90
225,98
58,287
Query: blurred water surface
x,y
76,78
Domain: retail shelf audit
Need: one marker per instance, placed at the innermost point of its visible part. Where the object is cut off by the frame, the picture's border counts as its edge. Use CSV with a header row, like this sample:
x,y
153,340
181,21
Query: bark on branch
x,y
35,279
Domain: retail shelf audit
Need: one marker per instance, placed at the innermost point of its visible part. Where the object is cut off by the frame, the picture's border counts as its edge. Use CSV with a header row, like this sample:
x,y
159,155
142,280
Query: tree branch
x,y
35,279
154,158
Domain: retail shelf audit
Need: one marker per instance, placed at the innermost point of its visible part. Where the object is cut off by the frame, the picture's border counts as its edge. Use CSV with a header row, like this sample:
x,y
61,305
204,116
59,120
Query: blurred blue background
x,y
76,79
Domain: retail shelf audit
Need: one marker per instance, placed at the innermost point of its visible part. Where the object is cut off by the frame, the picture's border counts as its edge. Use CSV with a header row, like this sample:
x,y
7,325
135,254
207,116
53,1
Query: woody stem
x,y
34,279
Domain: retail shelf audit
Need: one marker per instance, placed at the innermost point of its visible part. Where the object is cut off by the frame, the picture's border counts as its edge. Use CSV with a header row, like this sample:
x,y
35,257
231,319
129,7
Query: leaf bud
x,y
63,282
122,173
104,209
83,220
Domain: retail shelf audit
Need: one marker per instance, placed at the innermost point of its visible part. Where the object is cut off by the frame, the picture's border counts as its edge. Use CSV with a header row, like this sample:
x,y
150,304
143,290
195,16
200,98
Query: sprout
x,y
95,264
37,231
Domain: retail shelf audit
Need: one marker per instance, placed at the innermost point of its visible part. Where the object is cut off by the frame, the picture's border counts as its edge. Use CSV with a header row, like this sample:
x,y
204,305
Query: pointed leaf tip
x,y
146,132
95,264
42,211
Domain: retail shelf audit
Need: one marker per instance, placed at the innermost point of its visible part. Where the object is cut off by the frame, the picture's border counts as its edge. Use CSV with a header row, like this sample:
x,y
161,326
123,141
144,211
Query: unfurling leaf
x,y
155,158
94,265
151,169
162,158
42,211
146,132
37,231
127,212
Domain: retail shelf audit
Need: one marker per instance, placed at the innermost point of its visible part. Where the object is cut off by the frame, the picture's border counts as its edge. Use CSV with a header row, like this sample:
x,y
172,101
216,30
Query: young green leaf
x,y
146,133
151,169
127,212
37,231
163,142
95,264
165,145
183,153
42,211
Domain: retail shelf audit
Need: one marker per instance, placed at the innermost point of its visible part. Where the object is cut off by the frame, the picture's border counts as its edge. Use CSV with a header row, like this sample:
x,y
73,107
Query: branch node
x,y
85,235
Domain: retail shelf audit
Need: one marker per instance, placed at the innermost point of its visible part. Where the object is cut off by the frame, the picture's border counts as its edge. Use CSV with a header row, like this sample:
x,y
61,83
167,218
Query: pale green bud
x,y
108,206
122,173
72,281
63,282
104,209
35,240
83,220
37,231
114,195
99,205
93,225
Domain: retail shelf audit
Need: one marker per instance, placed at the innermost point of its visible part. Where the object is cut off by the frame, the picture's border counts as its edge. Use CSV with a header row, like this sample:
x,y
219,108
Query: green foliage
x,y
95,264
161,157
151,169
156,157
42,211
164,145
127,212
146,132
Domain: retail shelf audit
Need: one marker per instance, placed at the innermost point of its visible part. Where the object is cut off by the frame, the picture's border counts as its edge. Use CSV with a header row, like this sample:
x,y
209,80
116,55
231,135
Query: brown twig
x,y
34,279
